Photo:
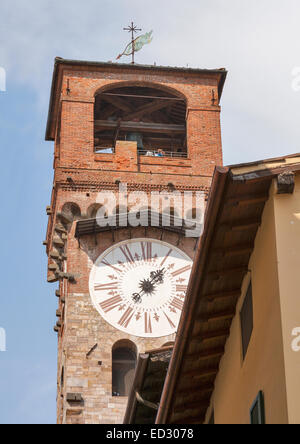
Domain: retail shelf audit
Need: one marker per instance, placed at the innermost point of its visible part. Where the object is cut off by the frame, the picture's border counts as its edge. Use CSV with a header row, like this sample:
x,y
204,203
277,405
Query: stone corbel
x,y
285,182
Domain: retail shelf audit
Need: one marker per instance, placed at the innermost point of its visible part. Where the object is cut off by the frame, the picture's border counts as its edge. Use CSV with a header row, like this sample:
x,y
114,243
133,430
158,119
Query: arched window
x,y
93,210
153,117
123,367
72,210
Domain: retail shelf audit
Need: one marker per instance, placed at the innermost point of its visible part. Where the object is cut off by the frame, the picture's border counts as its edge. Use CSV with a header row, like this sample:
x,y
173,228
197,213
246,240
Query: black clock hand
x,y
147,285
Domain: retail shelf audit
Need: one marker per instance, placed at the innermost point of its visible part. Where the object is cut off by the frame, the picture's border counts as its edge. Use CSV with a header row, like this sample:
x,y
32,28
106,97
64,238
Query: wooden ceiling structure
x,y
233,216
158,115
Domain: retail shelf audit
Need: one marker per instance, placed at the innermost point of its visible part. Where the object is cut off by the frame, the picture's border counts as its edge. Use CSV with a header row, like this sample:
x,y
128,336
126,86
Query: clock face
x,y
139,286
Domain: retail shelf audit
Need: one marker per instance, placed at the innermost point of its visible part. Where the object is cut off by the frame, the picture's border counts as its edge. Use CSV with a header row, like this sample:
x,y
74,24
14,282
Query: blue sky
x,y
257,41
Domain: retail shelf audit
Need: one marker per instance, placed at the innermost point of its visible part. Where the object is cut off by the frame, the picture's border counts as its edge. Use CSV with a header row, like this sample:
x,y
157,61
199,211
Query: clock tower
x,y
135,148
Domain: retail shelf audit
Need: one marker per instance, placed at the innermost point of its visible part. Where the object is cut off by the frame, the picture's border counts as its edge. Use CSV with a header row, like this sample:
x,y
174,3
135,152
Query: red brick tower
x,y
155,129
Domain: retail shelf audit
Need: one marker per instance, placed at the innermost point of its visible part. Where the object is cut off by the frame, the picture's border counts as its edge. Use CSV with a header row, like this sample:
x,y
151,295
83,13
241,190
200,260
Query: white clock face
x,y
139,286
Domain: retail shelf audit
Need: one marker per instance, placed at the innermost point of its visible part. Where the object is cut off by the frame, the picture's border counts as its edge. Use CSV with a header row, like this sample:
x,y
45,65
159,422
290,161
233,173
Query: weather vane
x,y
136,43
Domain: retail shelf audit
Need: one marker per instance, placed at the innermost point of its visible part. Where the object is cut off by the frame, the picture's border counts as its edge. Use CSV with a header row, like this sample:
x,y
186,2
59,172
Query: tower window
x,y
72,210
246,316
154,118
93,210
123,368
257,411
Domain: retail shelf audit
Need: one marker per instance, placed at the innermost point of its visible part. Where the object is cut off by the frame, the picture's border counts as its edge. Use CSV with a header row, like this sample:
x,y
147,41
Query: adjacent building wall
x,y
287,225
238,382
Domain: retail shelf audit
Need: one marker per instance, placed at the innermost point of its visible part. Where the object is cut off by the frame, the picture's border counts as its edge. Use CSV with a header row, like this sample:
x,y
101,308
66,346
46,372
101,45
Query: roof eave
x,y
220,177
223,177
48,136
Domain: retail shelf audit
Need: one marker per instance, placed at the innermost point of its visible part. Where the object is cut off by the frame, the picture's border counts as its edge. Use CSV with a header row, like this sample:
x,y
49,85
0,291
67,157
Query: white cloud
x,y
257,41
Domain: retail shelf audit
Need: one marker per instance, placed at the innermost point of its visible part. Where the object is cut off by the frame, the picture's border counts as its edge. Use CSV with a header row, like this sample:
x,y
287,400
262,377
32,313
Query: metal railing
x,y
162,153
147,153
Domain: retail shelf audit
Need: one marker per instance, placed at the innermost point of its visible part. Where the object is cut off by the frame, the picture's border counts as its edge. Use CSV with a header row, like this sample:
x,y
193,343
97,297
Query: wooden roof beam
x,y
234,250
248,199
210,335
194,405
211,297
198,396
199,374
216,274
118,102
244,224
193,419
162,116
143,96
225,314
206,354
141,126
201,387
146,109
109,111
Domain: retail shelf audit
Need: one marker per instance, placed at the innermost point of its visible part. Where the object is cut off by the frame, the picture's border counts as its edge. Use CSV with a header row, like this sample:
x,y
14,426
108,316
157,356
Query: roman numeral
x,y
166,257
181,270
169,320
127,253
143,250
177,303
111,266
110,303
148,326
146,250
181,287
149,251
104,287
126,318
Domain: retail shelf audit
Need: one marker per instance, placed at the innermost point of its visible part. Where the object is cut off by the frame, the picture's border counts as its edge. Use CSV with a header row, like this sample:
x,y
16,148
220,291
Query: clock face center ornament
x,y
147,286
138,286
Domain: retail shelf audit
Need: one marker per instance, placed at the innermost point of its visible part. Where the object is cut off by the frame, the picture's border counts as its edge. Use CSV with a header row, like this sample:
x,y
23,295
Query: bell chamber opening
x,y
152,117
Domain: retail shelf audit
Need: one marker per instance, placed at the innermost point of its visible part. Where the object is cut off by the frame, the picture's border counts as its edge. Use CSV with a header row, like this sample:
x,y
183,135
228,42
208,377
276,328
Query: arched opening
x,y
124,356
155,118
93,210
72,210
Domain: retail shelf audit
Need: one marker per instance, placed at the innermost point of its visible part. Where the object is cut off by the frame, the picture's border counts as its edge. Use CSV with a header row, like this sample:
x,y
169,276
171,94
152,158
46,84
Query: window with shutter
x,y
246,316
257,411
